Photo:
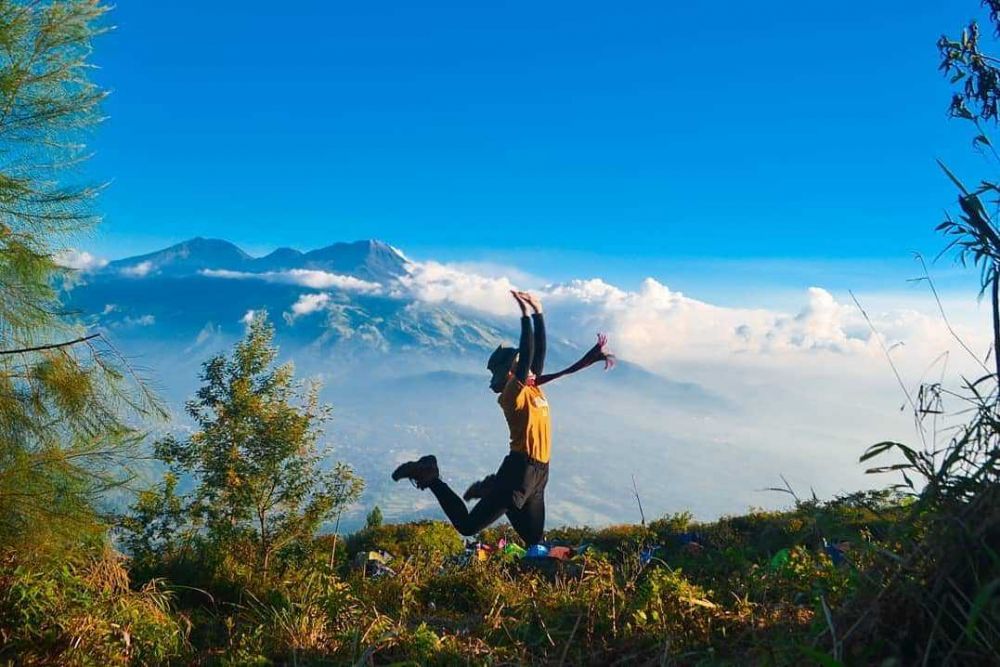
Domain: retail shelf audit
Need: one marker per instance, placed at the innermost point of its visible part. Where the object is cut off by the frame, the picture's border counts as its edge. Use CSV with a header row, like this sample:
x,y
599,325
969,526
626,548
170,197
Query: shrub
x,y
84,612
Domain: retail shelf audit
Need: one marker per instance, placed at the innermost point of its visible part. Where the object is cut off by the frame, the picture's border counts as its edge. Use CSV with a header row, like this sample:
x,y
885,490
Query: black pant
x,y
518,492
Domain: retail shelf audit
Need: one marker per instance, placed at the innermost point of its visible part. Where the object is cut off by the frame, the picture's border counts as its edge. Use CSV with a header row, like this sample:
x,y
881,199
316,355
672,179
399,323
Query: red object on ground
x,y
562,553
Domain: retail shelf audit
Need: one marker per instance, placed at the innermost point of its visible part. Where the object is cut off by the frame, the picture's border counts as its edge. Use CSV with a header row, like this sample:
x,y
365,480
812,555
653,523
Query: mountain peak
x,y
185,257
370,259
280,259
201,244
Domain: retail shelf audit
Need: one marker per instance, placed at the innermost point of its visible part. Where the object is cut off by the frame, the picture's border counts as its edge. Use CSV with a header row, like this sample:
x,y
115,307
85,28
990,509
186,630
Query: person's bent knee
x,y
467,530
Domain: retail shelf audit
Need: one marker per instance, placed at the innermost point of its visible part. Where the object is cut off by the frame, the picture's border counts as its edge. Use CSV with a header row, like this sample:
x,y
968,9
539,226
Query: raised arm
x,y
526,348
538,360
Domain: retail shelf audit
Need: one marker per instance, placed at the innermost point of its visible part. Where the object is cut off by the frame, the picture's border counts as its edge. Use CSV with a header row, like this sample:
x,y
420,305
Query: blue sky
x,y
793,139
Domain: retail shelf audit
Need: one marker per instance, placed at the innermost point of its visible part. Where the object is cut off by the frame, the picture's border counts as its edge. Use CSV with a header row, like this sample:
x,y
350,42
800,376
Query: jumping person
x,y
517,489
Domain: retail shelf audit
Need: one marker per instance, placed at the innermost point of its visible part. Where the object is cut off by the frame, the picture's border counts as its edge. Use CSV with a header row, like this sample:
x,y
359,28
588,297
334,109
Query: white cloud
x,y
248,317
440,283
656,327
489,269
806,389
141,321
138,270
80,260
207,332
303,278
308,304
664,329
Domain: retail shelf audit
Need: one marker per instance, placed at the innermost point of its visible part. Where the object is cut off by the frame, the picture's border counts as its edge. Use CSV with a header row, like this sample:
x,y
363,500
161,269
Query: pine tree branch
x,y
51,346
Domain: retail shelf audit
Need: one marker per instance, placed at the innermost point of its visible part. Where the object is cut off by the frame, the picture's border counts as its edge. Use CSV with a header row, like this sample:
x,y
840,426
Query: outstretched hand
x,y
595,354
600,352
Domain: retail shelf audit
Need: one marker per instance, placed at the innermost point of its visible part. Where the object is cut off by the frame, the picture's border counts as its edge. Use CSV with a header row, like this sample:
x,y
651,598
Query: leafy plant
x,y
259,486
68,402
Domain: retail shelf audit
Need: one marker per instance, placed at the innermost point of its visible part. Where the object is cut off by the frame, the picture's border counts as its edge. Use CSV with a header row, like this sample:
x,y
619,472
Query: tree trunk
x,y
996,324
336,534
265,548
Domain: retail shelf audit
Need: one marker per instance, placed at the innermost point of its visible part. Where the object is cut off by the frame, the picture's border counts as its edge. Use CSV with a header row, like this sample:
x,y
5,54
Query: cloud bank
x,y
433,282
140,270
658,327
308,304
79,260
303,278
664,329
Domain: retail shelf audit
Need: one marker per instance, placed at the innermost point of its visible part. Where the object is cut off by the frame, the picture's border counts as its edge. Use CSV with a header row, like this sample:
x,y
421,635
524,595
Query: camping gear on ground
x,y
475,552
560,552
512,550
374,563
780,559
483,552
646,555
480,552
537,551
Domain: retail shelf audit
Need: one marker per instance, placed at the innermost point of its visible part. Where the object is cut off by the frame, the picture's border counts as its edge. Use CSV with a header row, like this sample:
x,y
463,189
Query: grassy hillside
x,y
755,589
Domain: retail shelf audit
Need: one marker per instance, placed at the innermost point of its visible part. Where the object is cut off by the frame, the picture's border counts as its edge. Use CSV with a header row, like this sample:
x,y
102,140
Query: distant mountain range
x,y
213,283
367,260
405,375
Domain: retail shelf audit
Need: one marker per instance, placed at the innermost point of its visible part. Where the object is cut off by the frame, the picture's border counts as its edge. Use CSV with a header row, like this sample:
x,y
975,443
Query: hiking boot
x,y
480,489
421,472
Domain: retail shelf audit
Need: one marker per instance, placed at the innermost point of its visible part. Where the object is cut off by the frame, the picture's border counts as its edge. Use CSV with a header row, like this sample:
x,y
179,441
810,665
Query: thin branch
x,y
895,371
995,302
635,491
878,339
51,346
944,317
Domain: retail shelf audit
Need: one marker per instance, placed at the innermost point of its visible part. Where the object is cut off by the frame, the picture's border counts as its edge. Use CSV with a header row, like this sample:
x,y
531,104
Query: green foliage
x,y
671,523
721,604
415,540
70,406
311,612
259,488
66,411
157,530
233,572
662,599
724,603
933,596
374,518
83,612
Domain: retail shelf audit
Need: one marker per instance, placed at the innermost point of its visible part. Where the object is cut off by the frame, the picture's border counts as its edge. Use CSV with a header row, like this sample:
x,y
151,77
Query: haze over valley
x,y
693,409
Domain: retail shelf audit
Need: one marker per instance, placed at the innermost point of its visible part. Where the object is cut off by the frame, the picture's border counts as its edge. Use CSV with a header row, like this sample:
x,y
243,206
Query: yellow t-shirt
x,y
527,414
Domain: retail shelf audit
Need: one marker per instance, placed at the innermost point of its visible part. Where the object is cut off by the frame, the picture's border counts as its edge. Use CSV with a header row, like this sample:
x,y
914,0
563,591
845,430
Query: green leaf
x,y
877,449
954,179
